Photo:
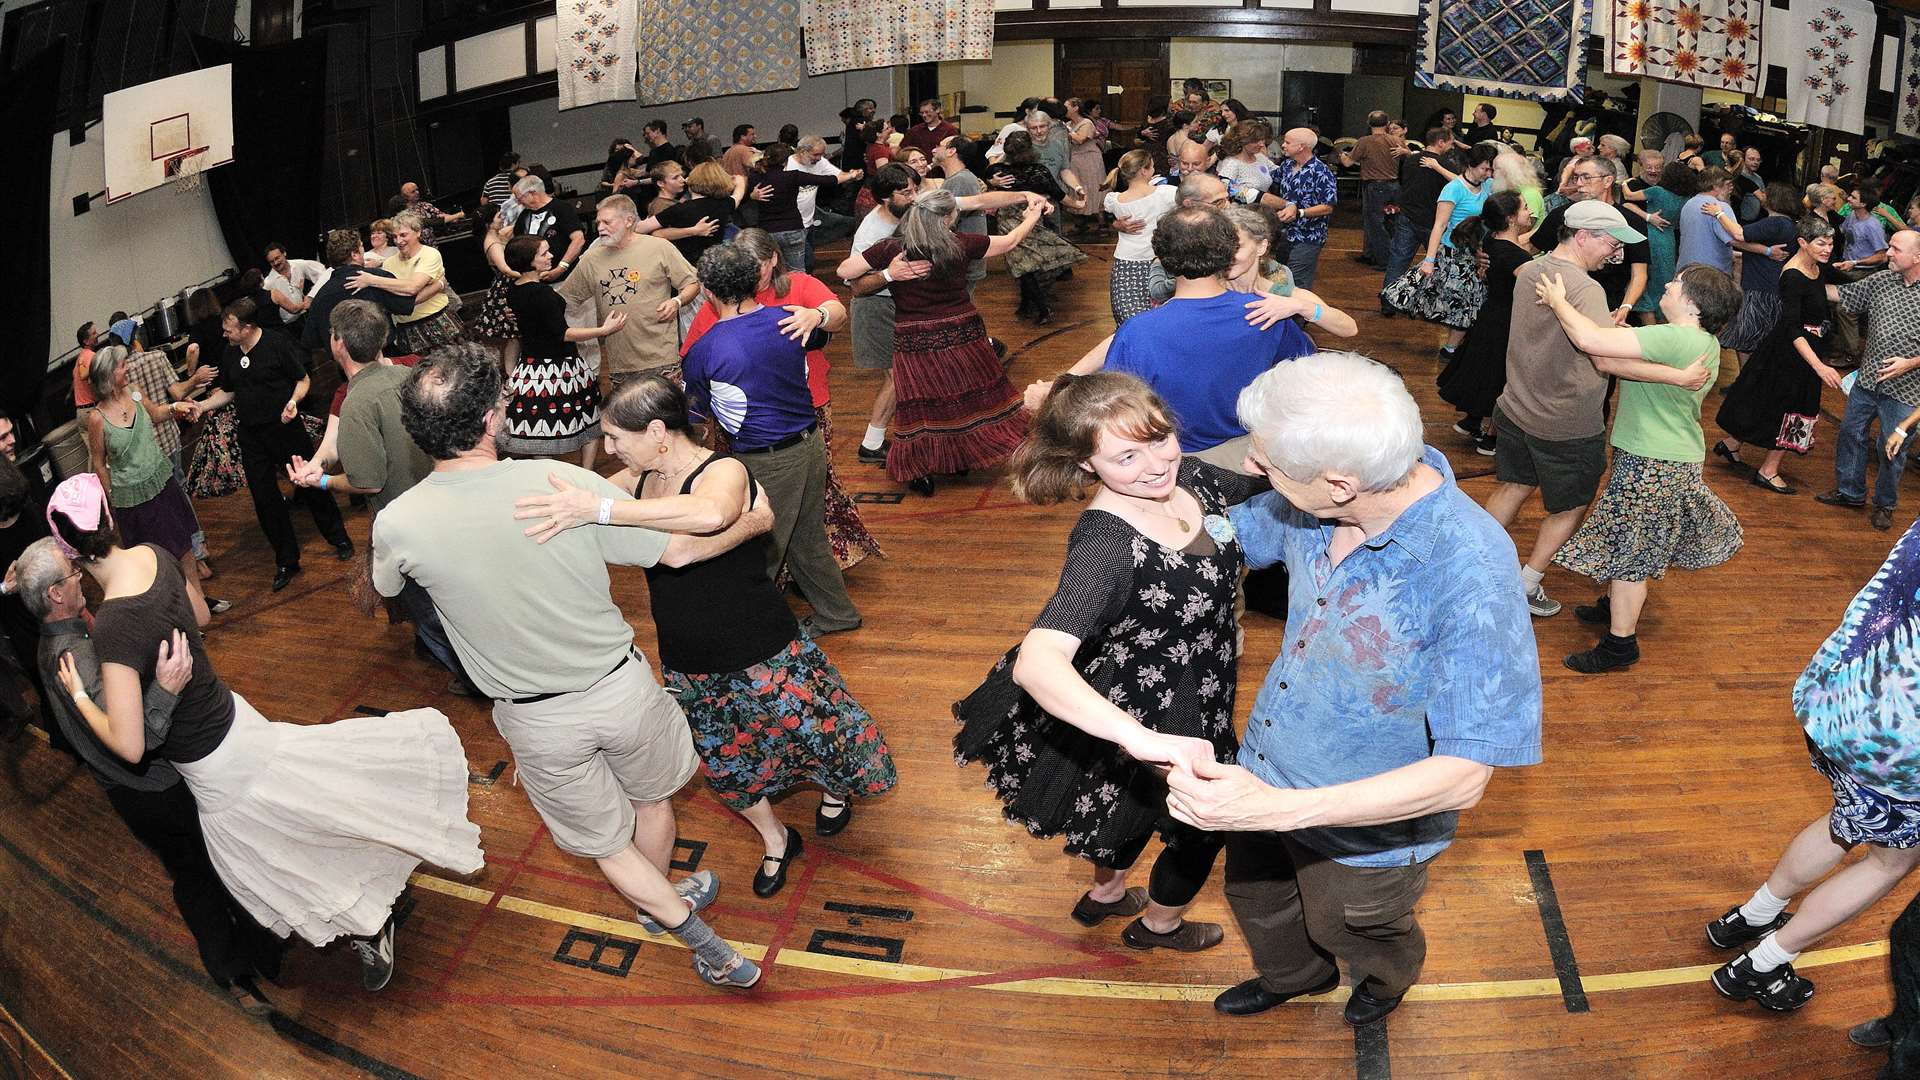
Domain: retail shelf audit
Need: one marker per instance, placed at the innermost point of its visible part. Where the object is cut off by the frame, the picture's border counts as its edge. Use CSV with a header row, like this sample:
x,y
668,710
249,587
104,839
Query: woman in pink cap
x,y
314,828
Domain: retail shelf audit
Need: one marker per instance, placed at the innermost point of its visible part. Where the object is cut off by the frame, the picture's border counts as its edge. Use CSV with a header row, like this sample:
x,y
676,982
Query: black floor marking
x,y
601,943
370,710
856,912
1370,1052
857,946
1558,943
492,775
285,1025
696,850
887,498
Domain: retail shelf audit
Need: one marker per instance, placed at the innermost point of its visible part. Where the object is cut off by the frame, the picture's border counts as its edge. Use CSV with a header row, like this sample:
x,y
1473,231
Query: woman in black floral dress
x,y
1131,664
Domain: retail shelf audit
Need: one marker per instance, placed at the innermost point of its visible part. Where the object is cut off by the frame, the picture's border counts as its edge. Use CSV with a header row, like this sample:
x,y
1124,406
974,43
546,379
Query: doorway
x,y
1120,74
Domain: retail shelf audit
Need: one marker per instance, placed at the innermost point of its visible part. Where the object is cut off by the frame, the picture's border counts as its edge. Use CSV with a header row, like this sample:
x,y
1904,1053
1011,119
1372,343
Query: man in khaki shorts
x,y
600,748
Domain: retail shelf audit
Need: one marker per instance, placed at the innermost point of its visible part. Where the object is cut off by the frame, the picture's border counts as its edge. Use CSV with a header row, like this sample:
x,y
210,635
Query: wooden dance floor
x,y
932,938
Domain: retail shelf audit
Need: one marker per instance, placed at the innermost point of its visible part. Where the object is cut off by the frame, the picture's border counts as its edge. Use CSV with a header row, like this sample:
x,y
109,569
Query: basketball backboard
x,y
157,131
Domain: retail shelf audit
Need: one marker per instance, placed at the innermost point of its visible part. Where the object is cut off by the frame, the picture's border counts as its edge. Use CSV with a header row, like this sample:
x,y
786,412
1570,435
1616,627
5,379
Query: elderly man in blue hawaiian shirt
x,y
1305,186
1408,675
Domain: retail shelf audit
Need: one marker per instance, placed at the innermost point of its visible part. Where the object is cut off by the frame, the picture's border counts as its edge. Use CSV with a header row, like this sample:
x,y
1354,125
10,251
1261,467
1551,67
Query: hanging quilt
x,y
843,35
1709,43
593,48
1906,91
1827,48
690,50
1533,49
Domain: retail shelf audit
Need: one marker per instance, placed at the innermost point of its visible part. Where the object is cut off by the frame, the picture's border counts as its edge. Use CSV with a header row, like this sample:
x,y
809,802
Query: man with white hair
x,y
1408,676
645,277
822,225
551,220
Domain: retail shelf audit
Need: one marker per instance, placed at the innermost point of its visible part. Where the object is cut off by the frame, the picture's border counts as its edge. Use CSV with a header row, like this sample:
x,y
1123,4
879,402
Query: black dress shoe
x,y
284,575
874,457
825,825
921,485
1363,1008
765,884
343,551
1250,997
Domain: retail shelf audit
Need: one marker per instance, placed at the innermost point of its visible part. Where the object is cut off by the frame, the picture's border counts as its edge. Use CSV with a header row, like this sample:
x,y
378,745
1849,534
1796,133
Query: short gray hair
x,y
1040,115
1619,145
1191,185
105,362
812,144
39,568
529,184
1335,412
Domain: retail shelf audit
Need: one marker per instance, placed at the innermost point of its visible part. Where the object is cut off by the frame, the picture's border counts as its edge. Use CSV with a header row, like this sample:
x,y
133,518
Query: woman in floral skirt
x,y
1446,287
769,711
1131,663
495,324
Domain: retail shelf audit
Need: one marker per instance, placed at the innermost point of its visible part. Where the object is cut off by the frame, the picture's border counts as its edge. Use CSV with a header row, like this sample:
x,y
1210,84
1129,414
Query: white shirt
x,y
808,198
303,277
1257,174
998,151
875,227
1148,209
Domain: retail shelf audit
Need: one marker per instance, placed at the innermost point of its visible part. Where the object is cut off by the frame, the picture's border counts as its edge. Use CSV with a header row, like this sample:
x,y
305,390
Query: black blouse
x,y
542,317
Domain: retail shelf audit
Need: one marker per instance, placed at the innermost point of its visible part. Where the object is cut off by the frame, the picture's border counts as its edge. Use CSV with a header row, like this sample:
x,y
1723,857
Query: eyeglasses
x,y
1592,176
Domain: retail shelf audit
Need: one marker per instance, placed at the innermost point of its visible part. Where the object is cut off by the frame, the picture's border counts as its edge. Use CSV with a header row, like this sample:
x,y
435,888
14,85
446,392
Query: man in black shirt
x,y
343,254
661,149
1419,194
552,220
263,375
157,808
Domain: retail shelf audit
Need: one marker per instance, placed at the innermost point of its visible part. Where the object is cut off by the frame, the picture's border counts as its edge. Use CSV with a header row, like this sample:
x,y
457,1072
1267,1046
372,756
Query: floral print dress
x,y
1156,628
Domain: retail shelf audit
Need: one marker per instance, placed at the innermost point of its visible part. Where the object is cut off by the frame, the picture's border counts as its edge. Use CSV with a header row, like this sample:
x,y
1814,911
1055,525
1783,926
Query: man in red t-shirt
x,y
930,130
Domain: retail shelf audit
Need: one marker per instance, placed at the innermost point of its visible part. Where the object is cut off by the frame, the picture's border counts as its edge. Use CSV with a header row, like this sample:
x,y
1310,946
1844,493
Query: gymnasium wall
x,y
580,136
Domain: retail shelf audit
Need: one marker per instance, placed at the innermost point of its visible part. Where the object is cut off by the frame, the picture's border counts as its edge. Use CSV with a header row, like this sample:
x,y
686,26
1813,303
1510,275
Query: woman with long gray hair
x,y
956,409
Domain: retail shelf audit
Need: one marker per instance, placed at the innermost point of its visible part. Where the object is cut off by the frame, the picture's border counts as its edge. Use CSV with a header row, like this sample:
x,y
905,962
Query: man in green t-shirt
x,y
1657,511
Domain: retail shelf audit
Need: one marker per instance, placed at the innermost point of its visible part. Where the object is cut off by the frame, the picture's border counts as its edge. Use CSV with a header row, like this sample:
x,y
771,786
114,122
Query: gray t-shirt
x,y
964,184
1553,390
875,227
525,618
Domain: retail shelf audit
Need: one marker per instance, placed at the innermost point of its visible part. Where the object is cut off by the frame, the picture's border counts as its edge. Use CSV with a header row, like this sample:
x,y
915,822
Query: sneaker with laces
x,y
1485,445
698,889
1779,990
1732,930
1539,603
376,958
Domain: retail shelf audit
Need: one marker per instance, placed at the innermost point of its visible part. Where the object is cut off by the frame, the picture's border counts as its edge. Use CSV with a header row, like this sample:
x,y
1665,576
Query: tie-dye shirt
x,y
1859,699
1418,644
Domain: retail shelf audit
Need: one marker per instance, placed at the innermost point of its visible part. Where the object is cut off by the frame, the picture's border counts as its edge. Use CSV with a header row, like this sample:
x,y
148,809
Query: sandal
x,y
1772,483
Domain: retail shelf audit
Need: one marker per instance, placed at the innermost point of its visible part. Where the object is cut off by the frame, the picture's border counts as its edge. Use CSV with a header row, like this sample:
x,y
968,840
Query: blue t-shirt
x,y
1466,203
1759,273
1703,239
751,378
1417,644
1198,355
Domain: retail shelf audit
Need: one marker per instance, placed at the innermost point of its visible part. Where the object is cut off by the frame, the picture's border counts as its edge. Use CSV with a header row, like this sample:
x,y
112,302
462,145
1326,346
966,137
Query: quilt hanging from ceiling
x,y
1707,43
1534,49
845,35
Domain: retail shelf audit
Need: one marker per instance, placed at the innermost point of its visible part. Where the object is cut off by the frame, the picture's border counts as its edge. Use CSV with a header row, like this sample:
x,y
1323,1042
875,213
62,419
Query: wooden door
x,y
1087,69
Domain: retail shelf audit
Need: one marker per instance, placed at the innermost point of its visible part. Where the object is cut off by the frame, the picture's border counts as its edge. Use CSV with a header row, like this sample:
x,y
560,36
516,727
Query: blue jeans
x,y
1853,448
1303,258
1405,240
1374,197
794,249
428,628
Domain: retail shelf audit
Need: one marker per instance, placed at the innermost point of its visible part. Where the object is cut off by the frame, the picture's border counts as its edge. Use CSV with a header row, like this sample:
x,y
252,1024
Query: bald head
x,y
1903,253
1299,144
1196,156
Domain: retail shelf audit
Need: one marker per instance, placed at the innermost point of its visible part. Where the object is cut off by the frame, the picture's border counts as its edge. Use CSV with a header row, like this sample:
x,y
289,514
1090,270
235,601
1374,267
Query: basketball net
x,y
187,170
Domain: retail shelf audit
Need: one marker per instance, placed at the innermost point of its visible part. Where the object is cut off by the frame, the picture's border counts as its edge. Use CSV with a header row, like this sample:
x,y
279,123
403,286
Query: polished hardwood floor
x,y
932,938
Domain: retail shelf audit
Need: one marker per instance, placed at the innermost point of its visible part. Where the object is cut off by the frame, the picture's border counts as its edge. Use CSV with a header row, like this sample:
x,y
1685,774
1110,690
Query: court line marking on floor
x,y
1112,988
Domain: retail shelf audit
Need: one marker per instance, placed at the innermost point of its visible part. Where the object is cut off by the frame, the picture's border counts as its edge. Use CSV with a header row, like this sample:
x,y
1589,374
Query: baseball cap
x,y
692,120
1599,217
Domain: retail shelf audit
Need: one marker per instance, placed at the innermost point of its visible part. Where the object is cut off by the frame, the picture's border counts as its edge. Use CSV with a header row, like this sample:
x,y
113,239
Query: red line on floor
x,y
1007,921
601,885
791,914
486,913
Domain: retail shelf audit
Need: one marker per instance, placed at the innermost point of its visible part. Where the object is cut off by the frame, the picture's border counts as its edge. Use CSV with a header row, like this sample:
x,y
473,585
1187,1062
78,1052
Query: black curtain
x,y
29,97
272,190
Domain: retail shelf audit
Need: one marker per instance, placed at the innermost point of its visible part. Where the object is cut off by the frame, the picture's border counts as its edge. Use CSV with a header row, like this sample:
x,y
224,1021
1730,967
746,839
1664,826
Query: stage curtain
x,y
27,105
272,190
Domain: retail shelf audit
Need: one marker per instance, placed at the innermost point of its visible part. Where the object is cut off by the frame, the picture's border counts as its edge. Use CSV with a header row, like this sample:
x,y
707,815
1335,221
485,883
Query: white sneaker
x,y
1539,603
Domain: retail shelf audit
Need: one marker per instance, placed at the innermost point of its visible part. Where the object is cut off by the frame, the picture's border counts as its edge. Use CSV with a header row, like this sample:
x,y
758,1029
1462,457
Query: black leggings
x,y
1182,867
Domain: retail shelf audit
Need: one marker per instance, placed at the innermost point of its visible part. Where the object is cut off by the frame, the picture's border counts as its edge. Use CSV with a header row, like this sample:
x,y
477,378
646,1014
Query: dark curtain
x,y
28,100
271,192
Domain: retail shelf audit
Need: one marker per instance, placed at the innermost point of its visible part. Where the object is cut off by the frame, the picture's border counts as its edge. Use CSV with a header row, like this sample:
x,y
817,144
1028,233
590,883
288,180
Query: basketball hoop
x,y
186,169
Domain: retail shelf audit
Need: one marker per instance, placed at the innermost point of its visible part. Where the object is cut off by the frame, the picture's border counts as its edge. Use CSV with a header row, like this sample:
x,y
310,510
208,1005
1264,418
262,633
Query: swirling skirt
x,y
1450,296
957,410
1653,515
1129,292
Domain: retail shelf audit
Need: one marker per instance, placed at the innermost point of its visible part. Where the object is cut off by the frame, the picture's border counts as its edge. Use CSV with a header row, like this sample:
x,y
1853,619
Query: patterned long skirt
x,y
780,724
1129,293
846,533
957,411
419,338
555,407
215,470
1450,296
1042,251
495,321
1653,515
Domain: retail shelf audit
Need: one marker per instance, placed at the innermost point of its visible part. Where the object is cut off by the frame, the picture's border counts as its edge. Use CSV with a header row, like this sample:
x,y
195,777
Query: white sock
x,y
1763,908
1531,578
1769,955
875,438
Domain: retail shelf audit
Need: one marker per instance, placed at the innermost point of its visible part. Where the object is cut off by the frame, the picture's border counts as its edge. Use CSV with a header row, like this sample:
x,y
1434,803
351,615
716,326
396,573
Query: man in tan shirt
x,y
1377,154
641,275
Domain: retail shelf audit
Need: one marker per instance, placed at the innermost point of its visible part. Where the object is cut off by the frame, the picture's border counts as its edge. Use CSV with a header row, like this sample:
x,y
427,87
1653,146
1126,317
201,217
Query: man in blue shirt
x,y
1704,236
1198,351
1306,185
1409,673
749,373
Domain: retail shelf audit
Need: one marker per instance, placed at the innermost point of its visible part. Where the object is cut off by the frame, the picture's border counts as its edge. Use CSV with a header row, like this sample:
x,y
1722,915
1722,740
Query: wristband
x,y
886,275
1316,313
606,511
325,479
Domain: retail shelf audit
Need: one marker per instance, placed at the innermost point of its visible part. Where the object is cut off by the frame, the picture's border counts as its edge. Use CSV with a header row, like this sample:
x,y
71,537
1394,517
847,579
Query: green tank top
x,y
140,470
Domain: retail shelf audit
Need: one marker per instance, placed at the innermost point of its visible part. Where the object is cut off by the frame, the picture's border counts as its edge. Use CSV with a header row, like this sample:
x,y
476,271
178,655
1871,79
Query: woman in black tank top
x,y
769,712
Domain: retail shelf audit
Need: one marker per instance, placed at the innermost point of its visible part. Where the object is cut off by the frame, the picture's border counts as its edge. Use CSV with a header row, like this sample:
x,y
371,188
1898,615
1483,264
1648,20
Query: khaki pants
x,y
1299,910
796,483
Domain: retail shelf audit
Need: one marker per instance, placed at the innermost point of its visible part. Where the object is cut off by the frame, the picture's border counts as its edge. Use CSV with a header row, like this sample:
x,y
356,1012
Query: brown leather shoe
x,y
1881,518
1091,912
1187,937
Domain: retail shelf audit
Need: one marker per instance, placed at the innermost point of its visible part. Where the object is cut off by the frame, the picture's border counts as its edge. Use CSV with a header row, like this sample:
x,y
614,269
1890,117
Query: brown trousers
x,y
1299,910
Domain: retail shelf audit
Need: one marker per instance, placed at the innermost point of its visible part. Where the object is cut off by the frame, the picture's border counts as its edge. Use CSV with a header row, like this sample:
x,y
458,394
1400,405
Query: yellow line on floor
x,y
1112,988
